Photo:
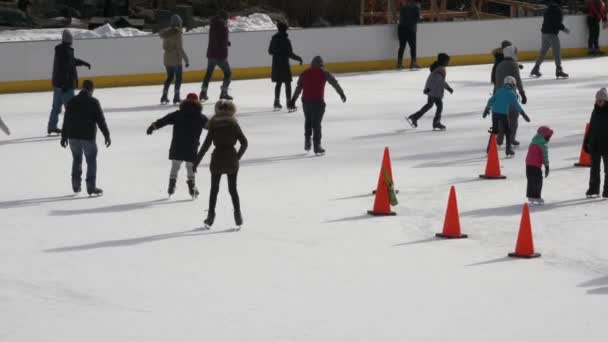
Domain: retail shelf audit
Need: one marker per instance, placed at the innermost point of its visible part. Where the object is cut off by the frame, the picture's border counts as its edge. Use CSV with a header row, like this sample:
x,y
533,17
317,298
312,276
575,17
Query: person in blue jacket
x,y
504,101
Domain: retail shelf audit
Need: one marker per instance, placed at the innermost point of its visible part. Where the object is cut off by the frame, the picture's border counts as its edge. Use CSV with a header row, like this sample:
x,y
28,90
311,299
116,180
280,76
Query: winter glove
x,y
546,171
524,99
108,142
229,44
64,142
521,67
150,130
301,61
486,112
343,97
525,116
187,65
426,91
567,30
450,90
88,65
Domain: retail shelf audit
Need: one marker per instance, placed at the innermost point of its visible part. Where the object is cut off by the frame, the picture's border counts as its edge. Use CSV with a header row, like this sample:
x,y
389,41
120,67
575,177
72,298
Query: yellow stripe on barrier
x,y
264,72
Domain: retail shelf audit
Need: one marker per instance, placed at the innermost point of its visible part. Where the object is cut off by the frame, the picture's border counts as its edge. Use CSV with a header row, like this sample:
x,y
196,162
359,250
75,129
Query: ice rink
x,y
309,264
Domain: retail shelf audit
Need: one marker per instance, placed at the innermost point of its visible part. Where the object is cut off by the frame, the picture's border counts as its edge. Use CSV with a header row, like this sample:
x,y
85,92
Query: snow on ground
x,y
253,22
309,265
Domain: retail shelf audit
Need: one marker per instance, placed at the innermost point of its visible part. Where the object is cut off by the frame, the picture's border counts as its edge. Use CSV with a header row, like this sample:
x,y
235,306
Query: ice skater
x,y
65,78
312,86
83,115
224,133
538,155
217,55
173,45
552,24
510,67
4,127
596,13
188,124
281,50
596,144
409,17
501,104
434,89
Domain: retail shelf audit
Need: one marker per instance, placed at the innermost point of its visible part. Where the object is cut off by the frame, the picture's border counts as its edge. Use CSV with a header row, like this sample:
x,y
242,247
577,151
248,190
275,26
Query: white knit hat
x,y
510,52
66,36
602,94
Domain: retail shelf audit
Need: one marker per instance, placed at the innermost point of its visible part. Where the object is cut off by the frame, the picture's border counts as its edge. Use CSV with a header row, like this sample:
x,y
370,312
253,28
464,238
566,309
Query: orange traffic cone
x,y
584,160
451,225
385,195
386,163
525,245
493,163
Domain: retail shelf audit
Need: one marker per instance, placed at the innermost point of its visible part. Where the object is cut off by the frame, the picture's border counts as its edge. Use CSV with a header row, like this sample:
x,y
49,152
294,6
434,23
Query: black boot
x,y
559,73
203,96
171,190
225,96
238,218
192,189
277,104
94,191
50,131
76,185
164,99
592,193
605,193
535,72
210,219
307,144
176,99
439,126
320,151
510,153
412,121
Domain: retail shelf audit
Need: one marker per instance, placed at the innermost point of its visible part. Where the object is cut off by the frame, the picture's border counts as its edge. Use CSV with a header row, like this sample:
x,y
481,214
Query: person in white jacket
x,y
4,128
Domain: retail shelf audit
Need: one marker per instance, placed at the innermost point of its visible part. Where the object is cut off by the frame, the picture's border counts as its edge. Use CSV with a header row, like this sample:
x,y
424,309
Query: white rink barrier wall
x,y
27,66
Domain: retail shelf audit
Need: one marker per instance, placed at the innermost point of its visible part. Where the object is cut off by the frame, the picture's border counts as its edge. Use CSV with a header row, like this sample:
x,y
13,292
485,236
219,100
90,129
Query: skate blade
x,y
319,154
409,121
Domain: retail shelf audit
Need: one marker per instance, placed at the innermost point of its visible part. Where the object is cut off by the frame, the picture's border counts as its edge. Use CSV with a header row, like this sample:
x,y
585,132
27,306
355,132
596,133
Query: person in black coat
x,y
596,144
83,114
553,23
188,124
281,51
409,17
224,133
65,78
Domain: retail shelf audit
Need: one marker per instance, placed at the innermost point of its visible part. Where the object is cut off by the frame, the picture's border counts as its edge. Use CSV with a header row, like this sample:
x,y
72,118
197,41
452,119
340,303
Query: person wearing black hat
x,y
281,50
312,86
217,55
65,78
552,24
434,89
83,115
188,124
409,17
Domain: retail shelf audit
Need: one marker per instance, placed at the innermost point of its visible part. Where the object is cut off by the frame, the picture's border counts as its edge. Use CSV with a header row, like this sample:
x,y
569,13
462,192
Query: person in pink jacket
x,y
538,155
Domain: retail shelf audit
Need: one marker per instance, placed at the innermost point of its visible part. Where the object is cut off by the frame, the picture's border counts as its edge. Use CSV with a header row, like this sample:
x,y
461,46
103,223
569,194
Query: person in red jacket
x,y
217,55
312,84
596,12
538,155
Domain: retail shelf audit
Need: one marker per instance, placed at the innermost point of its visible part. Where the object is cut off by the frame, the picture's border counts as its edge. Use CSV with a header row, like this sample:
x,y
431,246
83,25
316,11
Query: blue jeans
x,y
173,72
60,99
222,64
89,149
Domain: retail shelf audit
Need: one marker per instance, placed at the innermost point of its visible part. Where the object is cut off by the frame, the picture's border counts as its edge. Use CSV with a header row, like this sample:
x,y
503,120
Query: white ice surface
x,y
309,264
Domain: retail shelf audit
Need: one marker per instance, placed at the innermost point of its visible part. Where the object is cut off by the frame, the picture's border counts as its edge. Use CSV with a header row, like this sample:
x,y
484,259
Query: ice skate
x,y
292,109
277,105
439,127
95,192
319,151
203,96
164,99
510,153
225,96
605,193
307,144
238,219
535,73
413,122
536,201
515,143
176,99
559,73
414,66
592,193
52,131
399,66
172,183
192,190
209,220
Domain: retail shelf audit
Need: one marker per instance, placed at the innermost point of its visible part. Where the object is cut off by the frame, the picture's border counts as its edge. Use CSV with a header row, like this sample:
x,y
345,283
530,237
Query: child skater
x,y
538,155
501,104
188,124
434,89
4,128
281,51
224,132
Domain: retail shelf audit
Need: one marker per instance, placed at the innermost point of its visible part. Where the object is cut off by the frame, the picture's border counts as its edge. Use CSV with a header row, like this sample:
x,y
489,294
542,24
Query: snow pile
x,y
254,22
105,31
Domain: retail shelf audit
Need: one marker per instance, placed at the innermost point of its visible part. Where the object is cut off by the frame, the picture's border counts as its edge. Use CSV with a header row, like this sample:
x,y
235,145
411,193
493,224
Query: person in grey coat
x,y
553,22
434,89
510,67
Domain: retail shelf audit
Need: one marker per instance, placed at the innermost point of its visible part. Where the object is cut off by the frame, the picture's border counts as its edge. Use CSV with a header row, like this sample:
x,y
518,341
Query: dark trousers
x,y
215,189
60,99
277,90
224,66
406,36
513,126
594,33
173,72
88,148
500,123
313,115
535,181
594,177
437,102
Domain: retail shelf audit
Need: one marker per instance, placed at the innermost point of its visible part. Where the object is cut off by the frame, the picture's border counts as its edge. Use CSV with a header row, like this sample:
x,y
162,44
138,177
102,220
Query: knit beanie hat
x,y
317,61
602,94
176,21
505,43
66,37
510,52
545,132
443,58
192,97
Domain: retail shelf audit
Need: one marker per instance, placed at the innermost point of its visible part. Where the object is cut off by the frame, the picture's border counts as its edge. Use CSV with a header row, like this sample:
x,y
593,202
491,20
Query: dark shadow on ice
x,y
600,284
35,201
457,162
516,209
418,242
136,109
598,291
137,241
464,181
266,160
367,195
381,135
353,218
117,208
494,261
29,140
263,113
